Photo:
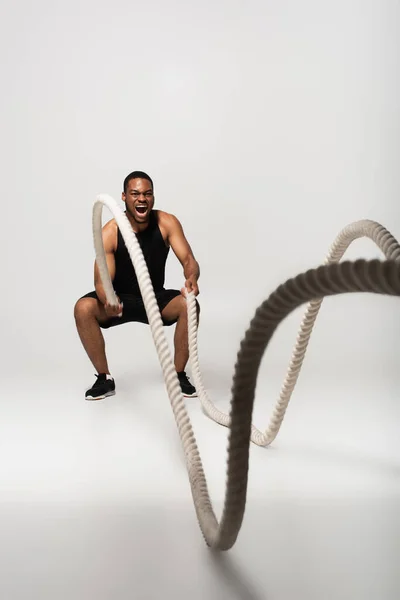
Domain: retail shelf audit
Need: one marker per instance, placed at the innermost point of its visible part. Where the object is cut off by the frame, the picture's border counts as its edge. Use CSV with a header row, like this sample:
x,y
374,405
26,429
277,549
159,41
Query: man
x,y
157,232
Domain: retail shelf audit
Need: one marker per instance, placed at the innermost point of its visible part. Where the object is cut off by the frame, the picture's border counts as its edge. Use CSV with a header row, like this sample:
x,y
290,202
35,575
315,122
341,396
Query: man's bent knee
x,y
183,306
87,308
177,308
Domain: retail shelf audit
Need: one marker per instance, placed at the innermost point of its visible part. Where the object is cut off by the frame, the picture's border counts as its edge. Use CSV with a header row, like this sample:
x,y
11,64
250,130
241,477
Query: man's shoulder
x,y
166,218
110,228
112,223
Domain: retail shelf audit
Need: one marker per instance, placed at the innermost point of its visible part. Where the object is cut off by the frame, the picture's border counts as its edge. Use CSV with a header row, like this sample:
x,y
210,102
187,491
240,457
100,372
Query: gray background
x,y
267,127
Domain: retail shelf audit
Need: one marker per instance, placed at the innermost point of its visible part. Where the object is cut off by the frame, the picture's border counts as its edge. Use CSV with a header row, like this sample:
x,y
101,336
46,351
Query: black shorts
x,y
134,309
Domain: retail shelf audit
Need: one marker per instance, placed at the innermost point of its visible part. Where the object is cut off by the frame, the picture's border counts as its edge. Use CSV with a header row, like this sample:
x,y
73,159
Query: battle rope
x,y
365,228
380,277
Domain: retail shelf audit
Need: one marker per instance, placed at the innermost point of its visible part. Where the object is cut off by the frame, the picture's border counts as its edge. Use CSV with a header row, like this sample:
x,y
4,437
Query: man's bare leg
x,y
177,309
88,312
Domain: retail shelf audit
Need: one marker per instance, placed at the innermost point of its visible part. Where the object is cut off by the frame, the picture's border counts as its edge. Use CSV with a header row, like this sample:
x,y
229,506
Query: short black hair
x,y
137,175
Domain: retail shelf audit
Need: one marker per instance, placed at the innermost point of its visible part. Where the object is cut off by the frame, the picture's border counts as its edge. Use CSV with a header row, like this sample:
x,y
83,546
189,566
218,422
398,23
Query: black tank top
x,y
155,253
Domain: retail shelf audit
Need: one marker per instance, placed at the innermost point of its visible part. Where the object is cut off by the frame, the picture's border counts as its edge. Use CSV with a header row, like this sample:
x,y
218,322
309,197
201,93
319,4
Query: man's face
x,y
139,199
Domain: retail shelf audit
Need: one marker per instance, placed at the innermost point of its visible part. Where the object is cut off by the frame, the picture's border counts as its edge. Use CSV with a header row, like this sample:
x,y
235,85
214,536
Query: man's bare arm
x,y
109,236
184,253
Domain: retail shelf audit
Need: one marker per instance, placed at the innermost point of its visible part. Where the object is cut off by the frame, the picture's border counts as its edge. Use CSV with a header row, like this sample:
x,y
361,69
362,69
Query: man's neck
x,y
137,227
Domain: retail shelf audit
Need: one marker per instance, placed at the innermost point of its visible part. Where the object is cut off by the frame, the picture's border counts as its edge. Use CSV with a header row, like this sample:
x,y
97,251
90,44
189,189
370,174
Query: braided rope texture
x,y
375,276
364,228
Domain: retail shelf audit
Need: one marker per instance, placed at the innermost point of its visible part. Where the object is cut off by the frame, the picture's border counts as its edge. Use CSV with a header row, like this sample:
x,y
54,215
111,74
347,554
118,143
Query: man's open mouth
x,y
141,209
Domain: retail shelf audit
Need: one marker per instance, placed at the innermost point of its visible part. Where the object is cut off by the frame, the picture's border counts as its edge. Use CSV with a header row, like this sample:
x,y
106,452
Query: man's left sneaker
x,y
103,387
187,388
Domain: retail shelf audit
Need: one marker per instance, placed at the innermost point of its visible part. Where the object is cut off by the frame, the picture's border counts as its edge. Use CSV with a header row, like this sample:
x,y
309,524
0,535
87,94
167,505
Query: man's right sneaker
x,y
104,386
188,390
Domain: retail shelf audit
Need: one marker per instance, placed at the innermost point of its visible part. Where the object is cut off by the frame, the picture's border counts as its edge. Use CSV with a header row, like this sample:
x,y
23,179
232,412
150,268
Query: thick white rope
x,y
329,279
364,228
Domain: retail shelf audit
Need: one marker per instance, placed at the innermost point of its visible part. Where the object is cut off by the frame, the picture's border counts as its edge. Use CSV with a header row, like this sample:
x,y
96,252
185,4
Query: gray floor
x,y
95,501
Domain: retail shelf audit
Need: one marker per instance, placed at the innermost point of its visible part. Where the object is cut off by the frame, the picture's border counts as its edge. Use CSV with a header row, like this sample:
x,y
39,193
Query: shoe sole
x,y
101,397
91,398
